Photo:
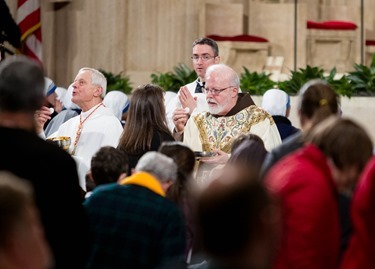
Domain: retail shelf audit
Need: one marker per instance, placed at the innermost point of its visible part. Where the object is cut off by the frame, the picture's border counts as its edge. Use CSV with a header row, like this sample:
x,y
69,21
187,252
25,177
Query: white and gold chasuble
x,y
205,132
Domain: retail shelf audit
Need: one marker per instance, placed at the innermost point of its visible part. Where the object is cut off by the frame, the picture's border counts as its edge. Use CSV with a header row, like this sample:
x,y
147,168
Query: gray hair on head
x,y
224,72
159,165
97,78
21,84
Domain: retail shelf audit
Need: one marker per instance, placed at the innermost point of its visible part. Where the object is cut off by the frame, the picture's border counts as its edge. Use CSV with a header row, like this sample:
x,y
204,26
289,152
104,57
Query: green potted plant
x,y
362,79
298,78
255,83
117,82
173,81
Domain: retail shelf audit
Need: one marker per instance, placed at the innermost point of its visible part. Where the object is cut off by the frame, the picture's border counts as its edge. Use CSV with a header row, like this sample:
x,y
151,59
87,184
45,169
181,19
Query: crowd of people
x,y
205,179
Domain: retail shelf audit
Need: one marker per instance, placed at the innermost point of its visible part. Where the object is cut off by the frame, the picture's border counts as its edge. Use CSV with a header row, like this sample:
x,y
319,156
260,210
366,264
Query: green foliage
x,y
255,83
341,85
172,81
117,82
300,77
359,82
362,80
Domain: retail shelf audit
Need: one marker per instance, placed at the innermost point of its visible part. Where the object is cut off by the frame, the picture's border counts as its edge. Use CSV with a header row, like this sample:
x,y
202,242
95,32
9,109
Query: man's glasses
x,y
204,58
216,92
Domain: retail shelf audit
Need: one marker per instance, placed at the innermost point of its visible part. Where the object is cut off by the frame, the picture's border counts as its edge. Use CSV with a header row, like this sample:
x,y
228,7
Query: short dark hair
x,y
21,84
108,164
207,41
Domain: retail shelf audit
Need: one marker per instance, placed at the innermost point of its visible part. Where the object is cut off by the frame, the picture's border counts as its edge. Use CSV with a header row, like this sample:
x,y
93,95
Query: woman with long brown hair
x,y
146,125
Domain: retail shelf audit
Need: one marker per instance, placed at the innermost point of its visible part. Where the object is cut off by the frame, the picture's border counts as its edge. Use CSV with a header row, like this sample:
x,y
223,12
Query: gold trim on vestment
x,y
220,132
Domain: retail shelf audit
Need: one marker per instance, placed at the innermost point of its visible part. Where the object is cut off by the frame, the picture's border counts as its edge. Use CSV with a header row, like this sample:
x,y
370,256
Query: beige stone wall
x,y
275,21
136,37
139,37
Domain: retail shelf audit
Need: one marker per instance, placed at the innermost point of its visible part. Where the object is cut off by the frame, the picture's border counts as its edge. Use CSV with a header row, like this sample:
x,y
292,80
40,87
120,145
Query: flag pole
x,y
295,35
362,32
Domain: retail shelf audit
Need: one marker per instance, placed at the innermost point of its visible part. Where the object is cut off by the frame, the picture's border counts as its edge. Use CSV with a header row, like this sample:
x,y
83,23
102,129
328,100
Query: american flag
x,y
29,22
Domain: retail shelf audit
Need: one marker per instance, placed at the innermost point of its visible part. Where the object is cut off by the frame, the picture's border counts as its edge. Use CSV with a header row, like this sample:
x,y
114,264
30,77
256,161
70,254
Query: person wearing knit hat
x,y
60,93
49,86
277,103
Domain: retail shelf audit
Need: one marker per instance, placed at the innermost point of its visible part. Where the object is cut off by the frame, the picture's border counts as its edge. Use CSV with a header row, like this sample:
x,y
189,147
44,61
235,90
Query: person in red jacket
x,y
361,251
307,183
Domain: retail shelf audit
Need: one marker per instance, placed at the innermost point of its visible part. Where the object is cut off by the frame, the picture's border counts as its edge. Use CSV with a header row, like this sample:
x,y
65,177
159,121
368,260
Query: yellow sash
x,y
145,180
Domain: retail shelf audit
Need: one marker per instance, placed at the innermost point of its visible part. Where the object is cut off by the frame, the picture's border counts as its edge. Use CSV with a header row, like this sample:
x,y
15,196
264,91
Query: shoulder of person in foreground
x,y
289,145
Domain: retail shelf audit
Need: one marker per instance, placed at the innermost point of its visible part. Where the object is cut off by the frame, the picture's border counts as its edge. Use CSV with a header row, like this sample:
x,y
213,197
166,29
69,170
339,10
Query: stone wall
x,y
139,37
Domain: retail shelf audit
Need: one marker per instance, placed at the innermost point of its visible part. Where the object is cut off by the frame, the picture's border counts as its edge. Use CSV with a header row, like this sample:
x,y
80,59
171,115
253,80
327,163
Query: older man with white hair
x,y
95,127
133,224
229,115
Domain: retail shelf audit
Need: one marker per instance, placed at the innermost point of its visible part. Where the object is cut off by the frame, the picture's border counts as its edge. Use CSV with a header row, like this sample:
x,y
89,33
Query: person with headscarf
x,y
69,110
60,94
50,98
277,103
118,102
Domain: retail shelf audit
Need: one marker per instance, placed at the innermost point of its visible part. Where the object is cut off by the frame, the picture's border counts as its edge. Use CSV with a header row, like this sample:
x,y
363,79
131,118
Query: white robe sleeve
x,y
268,132
191,136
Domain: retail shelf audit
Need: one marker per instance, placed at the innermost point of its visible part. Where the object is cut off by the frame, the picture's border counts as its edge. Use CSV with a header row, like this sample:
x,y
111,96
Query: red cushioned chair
x,y
223,22
240,38
331,25
369,51
331,44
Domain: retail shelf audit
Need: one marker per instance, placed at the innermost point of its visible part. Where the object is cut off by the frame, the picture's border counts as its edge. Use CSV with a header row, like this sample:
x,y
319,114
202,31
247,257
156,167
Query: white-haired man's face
x,y
221,96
